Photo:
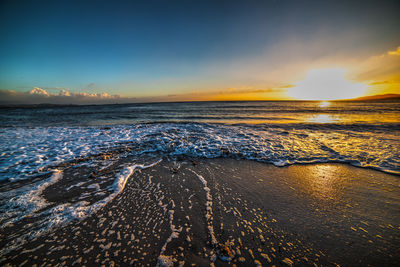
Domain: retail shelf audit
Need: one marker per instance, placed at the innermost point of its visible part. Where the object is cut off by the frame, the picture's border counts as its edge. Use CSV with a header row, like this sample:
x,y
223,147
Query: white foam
x,y
28,203
27,200
28,150
209,211
118,186
164,260
74,185
94,186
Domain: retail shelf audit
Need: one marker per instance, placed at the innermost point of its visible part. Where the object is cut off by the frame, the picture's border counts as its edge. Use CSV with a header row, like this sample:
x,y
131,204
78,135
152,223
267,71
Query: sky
x,y
141,51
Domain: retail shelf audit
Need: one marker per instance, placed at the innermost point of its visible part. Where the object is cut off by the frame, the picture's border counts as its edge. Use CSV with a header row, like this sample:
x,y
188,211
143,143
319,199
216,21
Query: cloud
x,y
381,72
383,67
64,93
395,52
252,90
39,91
230,93
380,82
39,96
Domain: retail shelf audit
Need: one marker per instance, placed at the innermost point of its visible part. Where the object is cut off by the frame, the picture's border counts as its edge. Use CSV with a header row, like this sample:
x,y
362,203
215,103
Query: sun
x,y
326,84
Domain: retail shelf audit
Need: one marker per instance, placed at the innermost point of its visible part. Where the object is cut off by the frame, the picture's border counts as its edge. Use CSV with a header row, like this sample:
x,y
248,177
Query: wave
x,y
26,151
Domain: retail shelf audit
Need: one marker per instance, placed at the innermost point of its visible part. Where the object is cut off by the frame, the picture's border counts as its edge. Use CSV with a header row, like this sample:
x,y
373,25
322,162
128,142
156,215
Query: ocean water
x,y
365,134
37,143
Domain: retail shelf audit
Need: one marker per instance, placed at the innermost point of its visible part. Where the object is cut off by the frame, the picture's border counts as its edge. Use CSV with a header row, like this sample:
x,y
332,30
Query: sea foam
x,y
28,201
26,151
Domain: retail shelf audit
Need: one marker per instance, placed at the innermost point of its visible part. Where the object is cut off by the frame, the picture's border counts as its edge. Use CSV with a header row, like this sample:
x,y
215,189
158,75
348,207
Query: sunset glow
x,y
172,52
326,84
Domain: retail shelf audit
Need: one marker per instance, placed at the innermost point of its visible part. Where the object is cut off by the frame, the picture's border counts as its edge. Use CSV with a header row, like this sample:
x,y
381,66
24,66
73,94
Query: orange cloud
x,y
381,72
395,52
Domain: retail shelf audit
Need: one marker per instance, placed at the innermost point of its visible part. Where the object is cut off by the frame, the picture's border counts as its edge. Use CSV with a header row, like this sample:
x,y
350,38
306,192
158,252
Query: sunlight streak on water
x,y
323,118
324,104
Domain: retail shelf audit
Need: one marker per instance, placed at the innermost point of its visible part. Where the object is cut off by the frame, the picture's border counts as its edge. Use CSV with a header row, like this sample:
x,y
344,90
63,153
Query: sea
x,y
35,142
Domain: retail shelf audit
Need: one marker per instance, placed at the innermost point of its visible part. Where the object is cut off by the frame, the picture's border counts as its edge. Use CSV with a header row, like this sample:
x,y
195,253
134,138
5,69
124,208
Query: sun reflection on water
x,y
322,118
324,104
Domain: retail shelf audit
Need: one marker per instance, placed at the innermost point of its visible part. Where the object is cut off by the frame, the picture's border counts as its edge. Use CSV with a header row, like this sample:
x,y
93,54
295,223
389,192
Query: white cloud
x,y
64,93
38,91
39,95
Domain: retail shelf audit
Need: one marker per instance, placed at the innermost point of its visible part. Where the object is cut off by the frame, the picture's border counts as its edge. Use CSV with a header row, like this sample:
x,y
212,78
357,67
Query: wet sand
x,y
224,212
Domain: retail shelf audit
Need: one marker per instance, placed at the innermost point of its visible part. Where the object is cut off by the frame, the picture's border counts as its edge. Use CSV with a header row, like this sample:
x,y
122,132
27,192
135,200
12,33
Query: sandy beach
x,y
199,212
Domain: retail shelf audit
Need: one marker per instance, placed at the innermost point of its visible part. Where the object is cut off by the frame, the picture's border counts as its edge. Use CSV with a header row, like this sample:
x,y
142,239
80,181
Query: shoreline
x,y
226,211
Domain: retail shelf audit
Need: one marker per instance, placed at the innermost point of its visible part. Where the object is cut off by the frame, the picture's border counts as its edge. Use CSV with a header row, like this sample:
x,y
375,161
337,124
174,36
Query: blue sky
x,y
159,48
